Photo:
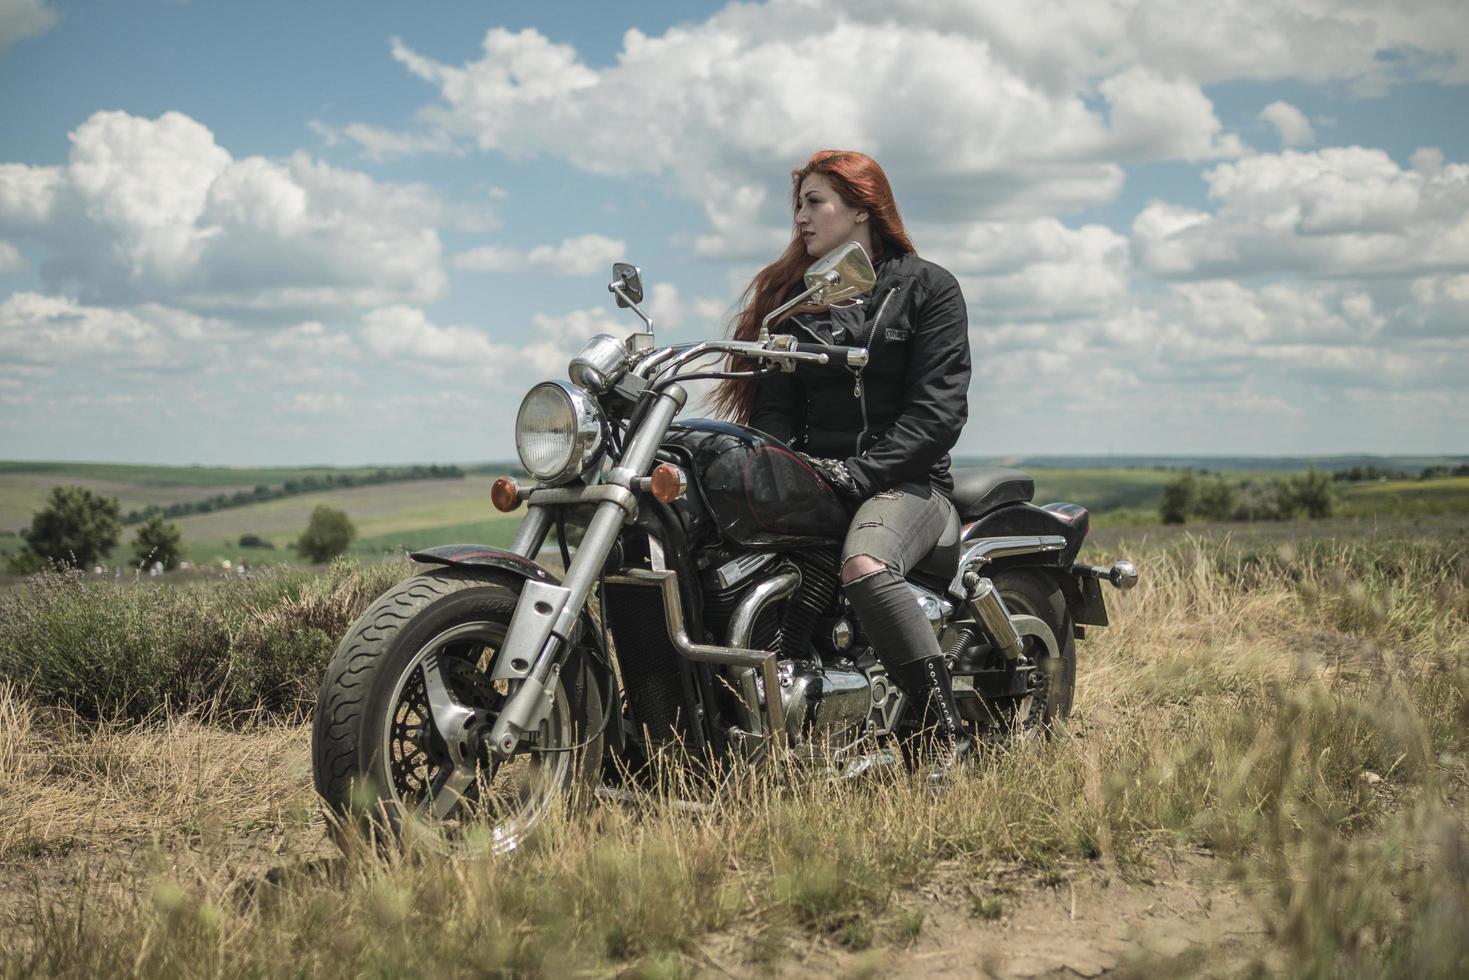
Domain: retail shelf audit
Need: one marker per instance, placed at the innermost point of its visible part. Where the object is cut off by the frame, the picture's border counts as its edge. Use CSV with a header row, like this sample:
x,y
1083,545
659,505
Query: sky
x,y
357,233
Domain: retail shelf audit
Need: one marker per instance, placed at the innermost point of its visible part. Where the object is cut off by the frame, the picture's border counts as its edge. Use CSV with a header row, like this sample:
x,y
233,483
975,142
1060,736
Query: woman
x,y
880,435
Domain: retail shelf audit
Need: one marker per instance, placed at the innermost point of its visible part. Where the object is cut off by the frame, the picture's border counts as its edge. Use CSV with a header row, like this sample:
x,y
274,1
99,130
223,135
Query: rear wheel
x,y
408,701
1028,592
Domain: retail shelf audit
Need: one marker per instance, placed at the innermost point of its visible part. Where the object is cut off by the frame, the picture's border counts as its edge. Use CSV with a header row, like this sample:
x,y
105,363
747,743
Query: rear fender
x,y
1064,528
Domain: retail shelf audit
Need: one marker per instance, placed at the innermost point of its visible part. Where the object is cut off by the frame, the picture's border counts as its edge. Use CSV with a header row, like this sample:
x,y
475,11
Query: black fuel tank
x,y
760,493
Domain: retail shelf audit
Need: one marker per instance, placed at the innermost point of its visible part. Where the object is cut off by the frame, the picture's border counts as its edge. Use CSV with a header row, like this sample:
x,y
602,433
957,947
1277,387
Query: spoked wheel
x,y
407,704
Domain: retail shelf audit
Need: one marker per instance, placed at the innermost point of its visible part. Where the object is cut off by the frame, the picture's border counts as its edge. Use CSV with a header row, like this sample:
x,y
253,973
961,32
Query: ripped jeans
x,y
897,528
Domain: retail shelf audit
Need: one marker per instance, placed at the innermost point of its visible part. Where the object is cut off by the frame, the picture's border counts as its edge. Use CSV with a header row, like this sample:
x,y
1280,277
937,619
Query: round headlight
x,y
599,363
558,432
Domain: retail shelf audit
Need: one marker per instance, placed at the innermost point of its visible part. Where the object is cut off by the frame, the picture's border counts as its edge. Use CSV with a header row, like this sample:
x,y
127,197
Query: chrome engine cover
x,y
822,702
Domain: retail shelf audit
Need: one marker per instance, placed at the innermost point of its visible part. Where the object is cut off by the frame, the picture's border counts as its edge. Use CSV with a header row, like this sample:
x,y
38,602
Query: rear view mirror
x,y
627,284
840,274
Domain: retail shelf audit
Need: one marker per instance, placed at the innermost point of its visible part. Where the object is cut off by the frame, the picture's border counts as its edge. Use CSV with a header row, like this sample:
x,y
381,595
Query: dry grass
x,y
1300,715
137,648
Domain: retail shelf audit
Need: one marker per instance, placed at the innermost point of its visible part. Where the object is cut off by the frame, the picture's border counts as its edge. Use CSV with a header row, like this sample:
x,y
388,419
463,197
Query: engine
x,y
819,696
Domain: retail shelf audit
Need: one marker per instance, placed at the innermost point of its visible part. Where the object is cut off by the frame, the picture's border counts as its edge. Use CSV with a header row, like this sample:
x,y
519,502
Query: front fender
x,y
498,559
485,556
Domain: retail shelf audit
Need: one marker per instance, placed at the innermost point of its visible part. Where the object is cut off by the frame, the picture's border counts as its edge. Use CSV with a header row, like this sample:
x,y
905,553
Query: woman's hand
x,y
835,472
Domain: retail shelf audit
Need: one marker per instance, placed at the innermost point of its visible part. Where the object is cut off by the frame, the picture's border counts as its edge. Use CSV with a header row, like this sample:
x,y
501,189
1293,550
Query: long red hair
x,y
860,182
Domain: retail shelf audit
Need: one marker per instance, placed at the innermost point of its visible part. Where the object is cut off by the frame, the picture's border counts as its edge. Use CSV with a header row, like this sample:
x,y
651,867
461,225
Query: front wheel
x,y
408,701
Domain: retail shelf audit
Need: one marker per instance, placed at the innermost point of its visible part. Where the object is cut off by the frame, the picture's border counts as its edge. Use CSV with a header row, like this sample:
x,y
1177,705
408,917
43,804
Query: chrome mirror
x,y
627,284
840,274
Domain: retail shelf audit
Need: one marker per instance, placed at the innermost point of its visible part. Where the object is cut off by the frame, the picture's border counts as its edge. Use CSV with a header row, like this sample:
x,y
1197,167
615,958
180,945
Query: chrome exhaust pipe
x,y
990,609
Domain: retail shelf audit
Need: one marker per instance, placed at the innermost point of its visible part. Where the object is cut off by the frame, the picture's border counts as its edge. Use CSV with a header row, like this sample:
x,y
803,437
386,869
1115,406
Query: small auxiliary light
x,y
669,483
505,494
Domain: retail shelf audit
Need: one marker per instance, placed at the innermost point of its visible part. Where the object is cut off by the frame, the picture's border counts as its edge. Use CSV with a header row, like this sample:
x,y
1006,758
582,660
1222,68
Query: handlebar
x,y
665,364
847,357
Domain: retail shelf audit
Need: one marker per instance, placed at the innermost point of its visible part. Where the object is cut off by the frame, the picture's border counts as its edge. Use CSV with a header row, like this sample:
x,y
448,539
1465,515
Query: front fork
x,y
546,616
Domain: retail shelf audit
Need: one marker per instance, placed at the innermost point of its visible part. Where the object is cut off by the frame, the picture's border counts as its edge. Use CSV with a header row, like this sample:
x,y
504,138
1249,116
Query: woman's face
x,y
824,220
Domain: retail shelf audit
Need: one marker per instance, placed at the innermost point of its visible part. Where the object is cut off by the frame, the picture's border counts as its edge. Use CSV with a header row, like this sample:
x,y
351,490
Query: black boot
x,y
931,694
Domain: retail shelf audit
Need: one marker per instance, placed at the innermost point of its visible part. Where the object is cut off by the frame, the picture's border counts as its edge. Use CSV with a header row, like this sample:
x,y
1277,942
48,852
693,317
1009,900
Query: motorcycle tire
x,y
1029,592
378,759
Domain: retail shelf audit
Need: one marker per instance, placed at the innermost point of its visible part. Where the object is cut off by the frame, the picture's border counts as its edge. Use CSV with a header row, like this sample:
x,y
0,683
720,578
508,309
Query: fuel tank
x,y
760,494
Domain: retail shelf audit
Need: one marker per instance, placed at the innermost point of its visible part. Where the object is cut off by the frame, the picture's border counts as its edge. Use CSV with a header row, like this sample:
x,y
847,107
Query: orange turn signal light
x,y
505,494
669,483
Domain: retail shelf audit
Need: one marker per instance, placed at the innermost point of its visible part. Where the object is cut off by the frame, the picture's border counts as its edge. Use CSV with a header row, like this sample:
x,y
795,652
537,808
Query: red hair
x,y
861,184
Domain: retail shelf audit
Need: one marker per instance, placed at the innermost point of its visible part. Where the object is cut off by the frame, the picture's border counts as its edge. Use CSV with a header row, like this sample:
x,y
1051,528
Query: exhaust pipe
x,y
990,608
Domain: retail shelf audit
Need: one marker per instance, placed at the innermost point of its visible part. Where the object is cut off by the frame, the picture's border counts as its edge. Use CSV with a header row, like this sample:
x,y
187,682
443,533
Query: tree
x,y
1313,493
1177,501
76,527
158,542
327,535
1216,499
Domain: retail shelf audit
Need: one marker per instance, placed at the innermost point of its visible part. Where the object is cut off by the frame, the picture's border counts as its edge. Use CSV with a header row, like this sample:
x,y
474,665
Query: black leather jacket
x,y
896,420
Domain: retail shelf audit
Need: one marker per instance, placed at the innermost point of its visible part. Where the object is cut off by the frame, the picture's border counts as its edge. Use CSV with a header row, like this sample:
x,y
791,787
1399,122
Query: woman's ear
x,y
861,217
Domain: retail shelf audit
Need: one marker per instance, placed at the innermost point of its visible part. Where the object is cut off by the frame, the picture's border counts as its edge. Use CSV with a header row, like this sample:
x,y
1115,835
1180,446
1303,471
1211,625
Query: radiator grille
x,y
654,676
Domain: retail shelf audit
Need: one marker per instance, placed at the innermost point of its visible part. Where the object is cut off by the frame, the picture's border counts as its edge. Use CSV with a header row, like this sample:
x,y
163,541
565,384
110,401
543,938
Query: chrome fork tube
x,y
521,710
532,532
602,530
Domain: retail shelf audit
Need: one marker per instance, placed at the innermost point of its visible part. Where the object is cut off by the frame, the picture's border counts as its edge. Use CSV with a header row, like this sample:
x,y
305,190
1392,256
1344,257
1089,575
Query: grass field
x,y
218,477
1405,497
1266,774
407,515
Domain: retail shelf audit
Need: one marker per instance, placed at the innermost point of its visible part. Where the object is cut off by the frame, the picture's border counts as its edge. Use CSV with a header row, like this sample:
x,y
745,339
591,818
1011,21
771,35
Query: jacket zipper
x,y
858,391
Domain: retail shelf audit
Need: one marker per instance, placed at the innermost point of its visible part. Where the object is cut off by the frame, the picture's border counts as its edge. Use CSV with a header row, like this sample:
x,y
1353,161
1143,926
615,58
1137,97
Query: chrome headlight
x,y
558,432
598,365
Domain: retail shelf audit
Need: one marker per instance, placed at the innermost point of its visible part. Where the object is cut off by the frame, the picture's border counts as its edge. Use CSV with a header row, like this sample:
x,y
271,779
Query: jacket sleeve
x,y
938,399
780,407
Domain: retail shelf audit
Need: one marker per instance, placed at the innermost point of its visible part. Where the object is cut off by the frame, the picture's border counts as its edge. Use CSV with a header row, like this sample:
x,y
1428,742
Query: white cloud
x,y
48,333
21,19
11,261
1026,111
1364,42
583,255
1291,123
378,143
1335,212
742,97
156,210
1440,307
406,334
1034,269
305,354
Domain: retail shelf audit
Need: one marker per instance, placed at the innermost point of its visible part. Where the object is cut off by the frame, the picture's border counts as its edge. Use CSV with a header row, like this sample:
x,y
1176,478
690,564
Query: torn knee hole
x,y
889,495
869,524
858,567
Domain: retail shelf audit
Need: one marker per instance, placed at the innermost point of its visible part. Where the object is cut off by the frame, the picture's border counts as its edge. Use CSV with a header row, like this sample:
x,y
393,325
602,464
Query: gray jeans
x,y
898,527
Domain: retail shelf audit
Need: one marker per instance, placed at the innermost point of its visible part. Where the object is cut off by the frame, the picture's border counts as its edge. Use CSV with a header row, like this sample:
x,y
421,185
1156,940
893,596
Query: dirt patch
x,y
1082,921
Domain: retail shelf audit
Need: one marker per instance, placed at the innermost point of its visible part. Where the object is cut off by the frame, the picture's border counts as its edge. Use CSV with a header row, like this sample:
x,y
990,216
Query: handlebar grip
x,y
847,357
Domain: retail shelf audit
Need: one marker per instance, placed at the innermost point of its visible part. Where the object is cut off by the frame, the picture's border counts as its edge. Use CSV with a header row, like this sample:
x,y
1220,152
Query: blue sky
x,y
355,233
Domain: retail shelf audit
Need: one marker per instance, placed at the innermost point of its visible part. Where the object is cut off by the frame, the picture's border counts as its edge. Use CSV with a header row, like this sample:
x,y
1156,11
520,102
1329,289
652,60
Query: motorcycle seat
x,y
980,489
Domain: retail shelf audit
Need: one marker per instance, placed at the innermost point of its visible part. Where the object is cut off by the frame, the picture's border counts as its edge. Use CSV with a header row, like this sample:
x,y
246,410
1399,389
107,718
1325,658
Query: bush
x,y
1216,499
77,527
328,535
1177,501
127,649
1313,493
1266,500
158,542
254,541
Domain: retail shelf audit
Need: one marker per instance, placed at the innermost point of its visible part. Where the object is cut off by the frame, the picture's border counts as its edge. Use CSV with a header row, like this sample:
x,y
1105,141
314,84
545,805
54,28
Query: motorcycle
x,y
700,616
